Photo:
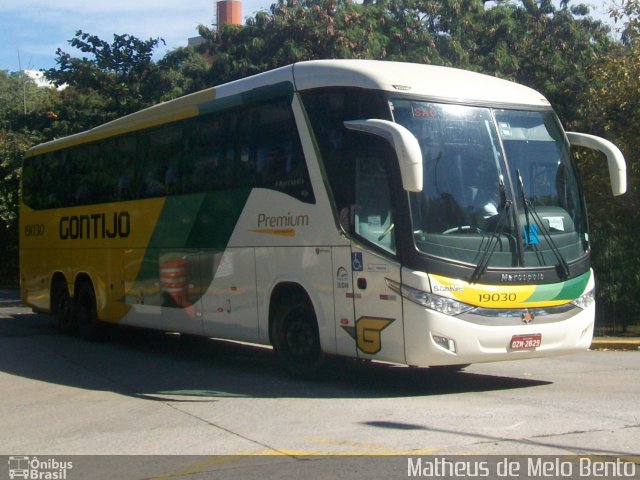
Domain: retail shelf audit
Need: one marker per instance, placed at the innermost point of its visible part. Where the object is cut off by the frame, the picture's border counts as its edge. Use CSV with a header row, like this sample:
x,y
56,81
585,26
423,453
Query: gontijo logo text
x,y
38,469
95,226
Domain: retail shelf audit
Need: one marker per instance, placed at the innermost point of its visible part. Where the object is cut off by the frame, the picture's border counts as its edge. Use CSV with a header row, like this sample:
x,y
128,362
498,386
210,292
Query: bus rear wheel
x,y
87,312
296,340
62,307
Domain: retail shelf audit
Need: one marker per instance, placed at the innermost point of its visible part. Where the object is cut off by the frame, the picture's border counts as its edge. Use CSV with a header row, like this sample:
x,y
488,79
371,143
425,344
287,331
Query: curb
x,y
615,343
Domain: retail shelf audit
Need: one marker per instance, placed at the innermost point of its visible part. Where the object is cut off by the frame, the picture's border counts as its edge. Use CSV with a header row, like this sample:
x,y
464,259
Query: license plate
x,y
526,342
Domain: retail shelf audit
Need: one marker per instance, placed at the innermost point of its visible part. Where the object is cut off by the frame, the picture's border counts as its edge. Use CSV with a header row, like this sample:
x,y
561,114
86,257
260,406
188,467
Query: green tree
x,y
183,71
12,148
122,72
591,80
17,91
298,30
25,107
118,78
611,108
546,48
530,42
26,114
554,50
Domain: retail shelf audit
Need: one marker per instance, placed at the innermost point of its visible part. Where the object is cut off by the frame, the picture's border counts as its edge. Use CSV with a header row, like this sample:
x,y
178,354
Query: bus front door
x,y
378,329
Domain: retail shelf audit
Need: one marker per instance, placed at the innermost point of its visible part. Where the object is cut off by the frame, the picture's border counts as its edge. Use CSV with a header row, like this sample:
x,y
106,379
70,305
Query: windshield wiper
x,y
489,250
529,208
528,233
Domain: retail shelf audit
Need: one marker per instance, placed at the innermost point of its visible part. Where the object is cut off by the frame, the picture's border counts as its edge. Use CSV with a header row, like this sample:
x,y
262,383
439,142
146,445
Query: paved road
x,y
146,393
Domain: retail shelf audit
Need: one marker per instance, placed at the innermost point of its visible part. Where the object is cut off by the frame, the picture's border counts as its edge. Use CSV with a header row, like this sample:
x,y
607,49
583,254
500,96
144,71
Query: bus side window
x,y
161,152
209,162
244,173
123,153
279,163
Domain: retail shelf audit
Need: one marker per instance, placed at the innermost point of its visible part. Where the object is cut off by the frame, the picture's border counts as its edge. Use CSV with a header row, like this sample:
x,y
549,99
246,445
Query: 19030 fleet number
x,y
496,297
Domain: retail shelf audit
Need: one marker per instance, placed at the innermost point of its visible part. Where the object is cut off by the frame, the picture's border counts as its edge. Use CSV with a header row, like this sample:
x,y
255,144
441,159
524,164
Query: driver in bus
x,y
484,189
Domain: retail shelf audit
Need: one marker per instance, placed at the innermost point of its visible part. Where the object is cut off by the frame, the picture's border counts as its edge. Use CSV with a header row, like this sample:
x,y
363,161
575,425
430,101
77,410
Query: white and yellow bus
x,y
387,211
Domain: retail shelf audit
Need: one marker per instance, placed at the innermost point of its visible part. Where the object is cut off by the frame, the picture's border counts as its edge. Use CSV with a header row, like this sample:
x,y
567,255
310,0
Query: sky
x,y
32,30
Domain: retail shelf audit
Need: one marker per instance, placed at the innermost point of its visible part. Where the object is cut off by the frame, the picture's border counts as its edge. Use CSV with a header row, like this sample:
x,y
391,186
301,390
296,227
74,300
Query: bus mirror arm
x,y
615,159
404,143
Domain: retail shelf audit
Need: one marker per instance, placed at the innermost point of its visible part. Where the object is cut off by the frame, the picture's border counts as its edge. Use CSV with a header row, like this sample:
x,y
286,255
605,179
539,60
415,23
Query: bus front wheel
x,y
296,340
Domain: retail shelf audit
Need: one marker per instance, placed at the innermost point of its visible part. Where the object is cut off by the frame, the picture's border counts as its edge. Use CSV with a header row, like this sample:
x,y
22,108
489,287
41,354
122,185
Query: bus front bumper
x,y
433,338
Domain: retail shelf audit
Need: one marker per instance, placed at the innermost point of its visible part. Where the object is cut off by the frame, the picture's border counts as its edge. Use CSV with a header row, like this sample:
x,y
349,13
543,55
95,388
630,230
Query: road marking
x,y
199,467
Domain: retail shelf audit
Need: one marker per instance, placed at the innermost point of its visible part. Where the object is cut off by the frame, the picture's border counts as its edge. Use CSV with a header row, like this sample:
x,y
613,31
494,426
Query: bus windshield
x,y
499,186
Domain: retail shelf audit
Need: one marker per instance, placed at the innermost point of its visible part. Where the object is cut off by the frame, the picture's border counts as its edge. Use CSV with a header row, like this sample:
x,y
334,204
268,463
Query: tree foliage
x,y
310,29
554,50
13,146
611,108
590,78
543,47
122,71
25,107
111,80
114,79
183,71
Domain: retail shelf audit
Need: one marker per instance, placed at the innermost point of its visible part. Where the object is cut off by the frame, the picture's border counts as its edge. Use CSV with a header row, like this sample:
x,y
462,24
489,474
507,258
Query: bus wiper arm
x,y
529,208
489,250
562,263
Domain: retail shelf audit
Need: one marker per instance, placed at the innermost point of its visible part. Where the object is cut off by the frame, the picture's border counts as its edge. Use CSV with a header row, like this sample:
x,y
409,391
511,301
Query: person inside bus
x,y
484,190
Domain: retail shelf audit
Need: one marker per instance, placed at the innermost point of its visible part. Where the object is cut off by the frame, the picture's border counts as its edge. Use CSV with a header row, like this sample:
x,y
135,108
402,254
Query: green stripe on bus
x,y
574,288
569,290
204,220
201,222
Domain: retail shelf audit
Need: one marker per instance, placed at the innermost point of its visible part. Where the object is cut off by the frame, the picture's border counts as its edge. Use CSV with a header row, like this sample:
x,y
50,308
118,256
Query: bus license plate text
x,y
526,342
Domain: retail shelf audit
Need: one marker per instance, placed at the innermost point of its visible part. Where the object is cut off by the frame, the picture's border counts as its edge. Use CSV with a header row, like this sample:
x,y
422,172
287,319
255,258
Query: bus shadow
x,y
168,367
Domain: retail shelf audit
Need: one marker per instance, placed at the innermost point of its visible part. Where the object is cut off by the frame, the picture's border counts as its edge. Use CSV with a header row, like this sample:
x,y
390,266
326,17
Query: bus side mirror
x,y
405,145
615,159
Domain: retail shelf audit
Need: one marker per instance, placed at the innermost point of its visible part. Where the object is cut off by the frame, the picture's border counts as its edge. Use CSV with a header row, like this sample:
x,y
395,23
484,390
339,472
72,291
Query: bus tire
x,y
296,340
86,312
62,306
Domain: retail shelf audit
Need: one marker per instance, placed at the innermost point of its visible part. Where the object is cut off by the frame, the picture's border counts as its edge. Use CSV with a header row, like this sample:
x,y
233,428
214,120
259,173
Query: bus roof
x,y
433,82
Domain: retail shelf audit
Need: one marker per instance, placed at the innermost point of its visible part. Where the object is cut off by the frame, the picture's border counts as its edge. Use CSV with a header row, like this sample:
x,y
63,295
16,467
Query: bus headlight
x,y
445,305
585,300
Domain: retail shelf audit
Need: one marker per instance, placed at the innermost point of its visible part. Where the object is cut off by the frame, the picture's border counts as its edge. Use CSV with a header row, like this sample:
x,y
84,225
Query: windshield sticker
x,y
557,223
531,235
342,278
505,129
374,220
